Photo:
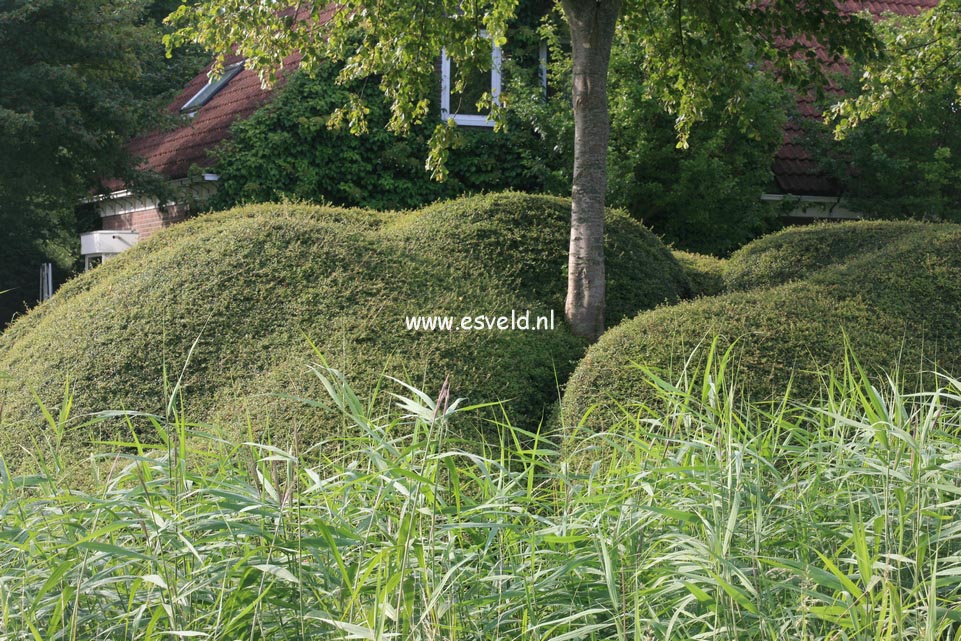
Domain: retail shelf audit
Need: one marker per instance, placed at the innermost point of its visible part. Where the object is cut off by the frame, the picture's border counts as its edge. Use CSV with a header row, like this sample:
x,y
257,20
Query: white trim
x,y
126,205
105,244
542,65
822,200
124,201
99,198
213,86
125,193
469,120
814,207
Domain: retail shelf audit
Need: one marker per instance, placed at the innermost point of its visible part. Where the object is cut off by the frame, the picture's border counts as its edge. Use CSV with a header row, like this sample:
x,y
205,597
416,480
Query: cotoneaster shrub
x,y
798,252
898,308
476,236
234,299
704,272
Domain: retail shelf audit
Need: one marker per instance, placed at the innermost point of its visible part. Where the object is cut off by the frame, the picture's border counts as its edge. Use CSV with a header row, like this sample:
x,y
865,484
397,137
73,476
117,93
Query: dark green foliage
x,y
705,273
287,150
252,285
896,303
903,166
900,155
45,236
703,198
706,197
798,252
900,115
532,250
77,79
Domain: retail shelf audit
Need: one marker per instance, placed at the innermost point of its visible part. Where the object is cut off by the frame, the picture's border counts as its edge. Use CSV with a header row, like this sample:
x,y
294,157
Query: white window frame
x,y
213,86
469,120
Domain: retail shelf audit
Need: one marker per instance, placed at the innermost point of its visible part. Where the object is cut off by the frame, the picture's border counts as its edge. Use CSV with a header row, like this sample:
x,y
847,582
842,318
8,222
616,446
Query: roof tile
x,y
795,171
172,152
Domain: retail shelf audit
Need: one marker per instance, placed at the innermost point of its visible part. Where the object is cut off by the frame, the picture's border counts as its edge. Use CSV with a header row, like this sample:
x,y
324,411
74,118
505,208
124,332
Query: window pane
x,y
478,83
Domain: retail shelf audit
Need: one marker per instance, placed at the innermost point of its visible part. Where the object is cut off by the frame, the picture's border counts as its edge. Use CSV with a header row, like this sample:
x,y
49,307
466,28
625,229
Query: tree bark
x,y
592,33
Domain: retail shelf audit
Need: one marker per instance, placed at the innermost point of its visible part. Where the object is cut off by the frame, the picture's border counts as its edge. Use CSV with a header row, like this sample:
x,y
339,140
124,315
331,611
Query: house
x,y
210,106
796,174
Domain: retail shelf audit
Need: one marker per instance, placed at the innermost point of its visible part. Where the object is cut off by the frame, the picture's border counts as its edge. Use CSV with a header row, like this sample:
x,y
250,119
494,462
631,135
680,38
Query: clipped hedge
x,y
898,307
705,273
798,252
233,298
528,238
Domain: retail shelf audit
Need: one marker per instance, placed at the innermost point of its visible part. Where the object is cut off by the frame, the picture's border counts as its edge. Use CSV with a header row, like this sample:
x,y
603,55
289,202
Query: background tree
x,y
77,79
899,153
922,58
903,165
705,198
688,48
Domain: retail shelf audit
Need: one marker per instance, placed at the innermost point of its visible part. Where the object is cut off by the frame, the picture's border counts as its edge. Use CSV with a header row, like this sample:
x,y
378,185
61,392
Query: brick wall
x,y
146,221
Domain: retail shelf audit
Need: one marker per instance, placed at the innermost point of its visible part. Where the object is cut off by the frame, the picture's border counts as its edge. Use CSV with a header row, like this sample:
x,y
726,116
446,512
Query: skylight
x,y
211,88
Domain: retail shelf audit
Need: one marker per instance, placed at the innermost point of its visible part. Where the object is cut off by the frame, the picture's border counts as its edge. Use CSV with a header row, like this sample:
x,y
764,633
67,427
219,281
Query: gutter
x,y
814,207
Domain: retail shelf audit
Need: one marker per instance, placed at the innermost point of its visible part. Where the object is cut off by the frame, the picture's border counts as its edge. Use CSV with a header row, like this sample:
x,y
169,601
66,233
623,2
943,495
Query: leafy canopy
x,y
392,40
286,150
705,198
77,79
899,153
922,57
689,53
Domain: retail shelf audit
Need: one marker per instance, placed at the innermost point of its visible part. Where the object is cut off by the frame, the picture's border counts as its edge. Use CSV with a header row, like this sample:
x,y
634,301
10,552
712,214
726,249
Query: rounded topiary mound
x,y
798,252
898,307
229,303
704,272
526,238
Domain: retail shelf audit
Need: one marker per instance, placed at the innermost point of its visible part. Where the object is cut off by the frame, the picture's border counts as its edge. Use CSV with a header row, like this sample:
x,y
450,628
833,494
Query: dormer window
x,y
211,88
464,105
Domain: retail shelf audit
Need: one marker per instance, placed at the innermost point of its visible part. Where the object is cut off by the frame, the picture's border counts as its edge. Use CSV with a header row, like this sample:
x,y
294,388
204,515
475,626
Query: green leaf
x,y
275,570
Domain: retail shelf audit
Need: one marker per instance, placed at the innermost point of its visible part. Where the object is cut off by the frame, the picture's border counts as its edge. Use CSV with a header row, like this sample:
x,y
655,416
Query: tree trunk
x,y
592,33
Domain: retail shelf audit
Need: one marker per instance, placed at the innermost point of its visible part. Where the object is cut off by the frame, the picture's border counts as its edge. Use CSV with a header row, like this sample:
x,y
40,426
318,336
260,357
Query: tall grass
x,y
706,519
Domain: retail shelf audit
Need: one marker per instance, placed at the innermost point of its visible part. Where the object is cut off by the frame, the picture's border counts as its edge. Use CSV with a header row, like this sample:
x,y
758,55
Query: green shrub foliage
x,y
704,198
231,300
533,252
798,252
705,273
897,305
287,150
904,161
905,168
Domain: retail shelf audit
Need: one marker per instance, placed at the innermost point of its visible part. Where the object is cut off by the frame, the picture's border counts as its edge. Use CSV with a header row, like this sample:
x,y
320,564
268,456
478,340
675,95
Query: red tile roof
x,y
899,7
172,152
795,170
